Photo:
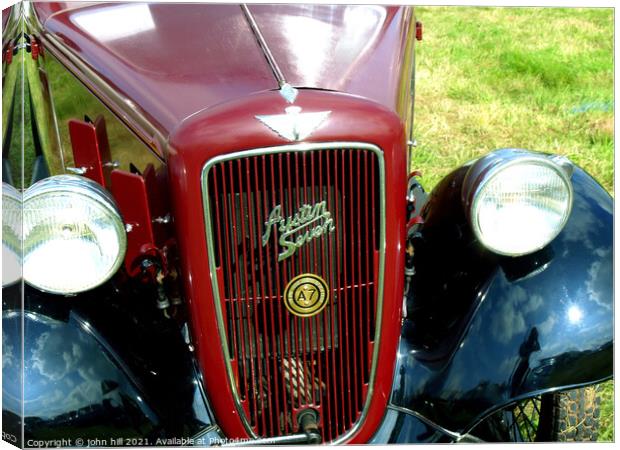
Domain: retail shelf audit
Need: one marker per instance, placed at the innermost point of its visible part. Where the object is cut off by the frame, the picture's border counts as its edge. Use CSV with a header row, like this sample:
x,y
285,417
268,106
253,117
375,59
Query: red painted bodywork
x,y
34,48
141,203
91,150
357,49
419,31
196,73
6,12
232,127
7,56
130,192
7,41
186,58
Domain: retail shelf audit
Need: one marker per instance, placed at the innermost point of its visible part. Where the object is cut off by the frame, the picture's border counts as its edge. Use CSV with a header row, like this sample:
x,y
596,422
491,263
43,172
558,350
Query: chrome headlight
x,y
11,235
518,201
74,237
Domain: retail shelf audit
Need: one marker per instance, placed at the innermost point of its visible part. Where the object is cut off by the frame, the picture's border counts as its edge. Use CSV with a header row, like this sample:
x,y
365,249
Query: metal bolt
x,y
77,170
162,219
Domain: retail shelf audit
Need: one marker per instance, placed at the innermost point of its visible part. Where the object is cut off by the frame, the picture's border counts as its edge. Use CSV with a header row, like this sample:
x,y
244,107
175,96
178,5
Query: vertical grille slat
x,y
274,249
254,305
237,300
355,280
369,296
281,363
335,316
344,317
244,297
301,193
328,317
232,308
265,298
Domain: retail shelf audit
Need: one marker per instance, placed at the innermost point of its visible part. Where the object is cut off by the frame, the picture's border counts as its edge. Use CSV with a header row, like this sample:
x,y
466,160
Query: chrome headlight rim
x,y
74,184
87,189
485,169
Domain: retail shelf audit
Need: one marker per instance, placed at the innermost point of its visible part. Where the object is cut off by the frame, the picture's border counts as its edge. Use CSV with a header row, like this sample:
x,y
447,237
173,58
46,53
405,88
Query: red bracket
x,y
34,48
129,190
419,31
7,56
139,201
414,221
91,150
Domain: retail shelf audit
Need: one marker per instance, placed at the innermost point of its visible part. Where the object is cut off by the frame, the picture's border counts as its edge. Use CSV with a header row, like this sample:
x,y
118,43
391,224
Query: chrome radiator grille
x,y
281,363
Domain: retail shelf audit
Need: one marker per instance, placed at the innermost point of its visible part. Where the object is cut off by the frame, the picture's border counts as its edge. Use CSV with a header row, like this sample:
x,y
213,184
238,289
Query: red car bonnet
x,y
171,61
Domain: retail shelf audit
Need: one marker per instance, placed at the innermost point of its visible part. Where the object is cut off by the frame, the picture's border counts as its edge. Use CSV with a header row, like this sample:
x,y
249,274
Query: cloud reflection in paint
x,y
511,319
65,368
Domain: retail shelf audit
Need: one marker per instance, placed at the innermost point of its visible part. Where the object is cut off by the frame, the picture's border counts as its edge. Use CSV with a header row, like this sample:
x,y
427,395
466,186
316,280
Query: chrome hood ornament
x,y
288,92
293,125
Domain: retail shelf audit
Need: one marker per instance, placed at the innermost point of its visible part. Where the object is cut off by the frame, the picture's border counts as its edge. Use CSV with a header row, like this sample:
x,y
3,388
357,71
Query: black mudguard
x,y
104,368
485,330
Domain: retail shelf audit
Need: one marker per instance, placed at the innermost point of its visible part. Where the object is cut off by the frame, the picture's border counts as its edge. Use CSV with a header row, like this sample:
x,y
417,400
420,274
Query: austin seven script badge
x,y
309,222
306,295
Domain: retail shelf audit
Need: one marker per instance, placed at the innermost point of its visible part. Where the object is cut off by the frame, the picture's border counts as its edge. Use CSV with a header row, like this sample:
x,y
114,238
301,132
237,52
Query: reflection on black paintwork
x,y
93,371
398,427
73,386
11,372
526,349
550,328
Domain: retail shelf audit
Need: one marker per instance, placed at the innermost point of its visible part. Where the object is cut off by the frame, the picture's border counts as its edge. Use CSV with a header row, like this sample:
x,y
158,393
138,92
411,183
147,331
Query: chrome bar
x,y
263,45
300,438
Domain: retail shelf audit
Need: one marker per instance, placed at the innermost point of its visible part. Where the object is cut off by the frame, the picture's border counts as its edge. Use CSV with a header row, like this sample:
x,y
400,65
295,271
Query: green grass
x,y
73,101
606,431
535,78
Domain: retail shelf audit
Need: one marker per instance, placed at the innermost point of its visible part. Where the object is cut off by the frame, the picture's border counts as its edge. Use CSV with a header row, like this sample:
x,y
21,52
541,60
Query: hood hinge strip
x,y
277,73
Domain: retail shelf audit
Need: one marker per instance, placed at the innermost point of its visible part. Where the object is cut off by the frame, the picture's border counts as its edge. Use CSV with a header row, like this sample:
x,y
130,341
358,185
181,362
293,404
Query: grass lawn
x,y
535,78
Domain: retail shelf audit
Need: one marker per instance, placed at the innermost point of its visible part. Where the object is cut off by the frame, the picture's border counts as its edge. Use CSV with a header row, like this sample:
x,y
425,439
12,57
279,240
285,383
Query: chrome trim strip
x,y
277,73
216,295
202,438
401,409
291,439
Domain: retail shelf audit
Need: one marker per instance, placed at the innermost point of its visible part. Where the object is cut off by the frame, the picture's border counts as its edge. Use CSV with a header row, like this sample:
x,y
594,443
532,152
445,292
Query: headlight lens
x,y
74,237
521,201
11,235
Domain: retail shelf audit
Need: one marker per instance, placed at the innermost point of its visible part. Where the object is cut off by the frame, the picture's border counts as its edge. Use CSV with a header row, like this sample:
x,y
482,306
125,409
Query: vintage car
x,y
223,243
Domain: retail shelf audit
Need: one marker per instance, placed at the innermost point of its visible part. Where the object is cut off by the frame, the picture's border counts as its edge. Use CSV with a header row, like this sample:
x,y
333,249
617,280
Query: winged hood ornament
x,y
294,124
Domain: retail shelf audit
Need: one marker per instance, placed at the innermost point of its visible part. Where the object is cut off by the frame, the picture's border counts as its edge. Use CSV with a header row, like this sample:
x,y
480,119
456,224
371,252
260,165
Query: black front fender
x,y
486,330
103,368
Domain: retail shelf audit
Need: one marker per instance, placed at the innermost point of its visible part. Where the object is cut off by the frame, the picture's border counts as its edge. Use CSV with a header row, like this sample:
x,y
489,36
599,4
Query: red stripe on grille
x,y
283,363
